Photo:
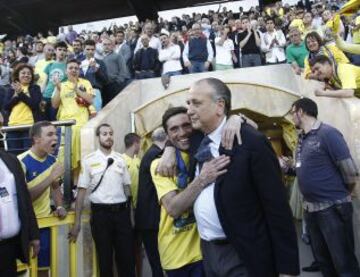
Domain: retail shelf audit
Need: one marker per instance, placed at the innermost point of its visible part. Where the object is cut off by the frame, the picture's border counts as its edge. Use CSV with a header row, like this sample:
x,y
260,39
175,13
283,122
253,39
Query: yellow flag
x,y
350,7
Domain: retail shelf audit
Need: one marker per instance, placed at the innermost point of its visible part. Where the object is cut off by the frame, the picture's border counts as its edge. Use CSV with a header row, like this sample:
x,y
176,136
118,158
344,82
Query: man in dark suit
x,y
147,215
244,220
18,226
146,60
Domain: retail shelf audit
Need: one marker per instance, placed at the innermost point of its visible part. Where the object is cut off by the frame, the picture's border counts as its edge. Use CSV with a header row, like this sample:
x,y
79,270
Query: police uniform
x,y
110,212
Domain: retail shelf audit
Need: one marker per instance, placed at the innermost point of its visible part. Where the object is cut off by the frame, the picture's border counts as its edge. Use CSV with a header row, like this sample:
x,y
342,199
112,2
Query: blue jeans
x,y
249,60
332,239
144,75
190,270
197,67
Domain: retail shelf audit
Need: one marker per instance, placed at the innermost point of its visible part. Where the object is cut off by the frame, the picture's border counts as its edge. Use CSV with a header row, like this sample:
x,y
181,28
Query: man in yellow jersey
x,y
341,80
42,174
179,241
132,148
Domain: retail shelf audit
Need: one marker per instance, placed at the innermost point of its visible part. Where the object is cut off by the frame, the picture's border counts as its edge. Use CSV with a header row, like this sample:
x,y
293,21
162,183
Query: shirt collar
x,y
215,135
101,153
314,128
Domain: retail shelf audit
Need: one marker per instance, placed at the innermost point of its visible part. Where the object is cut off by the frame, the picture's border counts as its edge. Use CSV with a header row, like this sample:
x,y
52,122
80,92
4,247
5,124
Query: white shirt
x,y
170,57
276,53
205,211
9,214
153,43
223,52
111,188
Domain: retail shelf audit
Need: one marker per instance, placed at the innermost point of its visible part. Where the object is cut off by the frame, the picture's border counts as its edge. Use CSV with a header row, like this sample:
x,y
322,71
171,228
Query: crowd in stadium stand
x,y
74,75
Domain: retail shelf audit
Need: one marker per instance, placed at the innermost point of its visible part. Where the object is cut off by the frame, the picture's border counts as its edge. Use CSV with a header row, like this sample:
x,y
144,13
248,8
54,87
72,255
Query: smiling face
x,y
322,71
25,76
178,128
47,140
72,70
312,44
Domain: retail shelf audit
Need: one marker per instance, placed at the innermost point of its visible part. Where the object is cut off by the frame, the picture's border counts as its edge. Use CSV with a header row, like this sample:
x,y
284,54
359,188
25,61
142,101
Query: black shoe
x,y
314,267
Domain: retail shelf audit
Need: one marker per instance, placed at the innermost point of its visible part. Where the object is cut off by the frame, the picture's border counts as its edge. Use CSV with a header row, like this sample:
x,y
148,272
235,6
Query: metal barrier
x,y
54,223
67,151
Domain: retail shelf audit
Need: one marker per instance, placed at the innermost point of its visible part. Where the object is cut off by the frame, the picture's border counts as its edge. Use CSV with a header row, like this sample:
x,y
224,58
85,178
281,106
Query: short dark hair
x,y
307,105
90,42
60,44
170,113
270,19
97,131
320,59
36,129
221,91
18,68
78,40
130,139
313,35
120,32
72,61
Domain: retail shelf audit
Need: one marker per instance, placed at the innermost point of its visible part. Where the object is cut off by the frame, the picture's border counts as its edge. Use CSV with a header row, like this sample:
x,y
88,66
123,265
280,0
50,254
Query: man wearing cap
x,y
169,55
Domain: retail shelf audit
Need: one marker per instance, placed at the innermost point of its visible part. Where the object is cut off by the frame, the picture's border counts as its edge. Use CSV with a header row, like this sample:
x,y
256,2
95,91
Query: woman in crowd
x,y
73,99
316,47
22,106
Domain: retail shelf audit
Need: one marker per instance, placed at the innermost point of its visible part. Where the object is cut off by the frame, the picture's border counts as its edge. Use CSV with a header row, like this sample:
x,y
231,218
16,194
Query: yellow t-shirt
x,y
338,55
133,165
179,240
21,113
68,108
39,69
348,77
36,170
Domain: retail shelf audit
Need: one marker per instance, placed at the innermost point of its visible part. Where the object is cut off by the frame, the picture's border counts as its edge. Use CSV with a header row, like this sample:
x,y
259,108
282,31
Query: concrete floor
x,y
306,258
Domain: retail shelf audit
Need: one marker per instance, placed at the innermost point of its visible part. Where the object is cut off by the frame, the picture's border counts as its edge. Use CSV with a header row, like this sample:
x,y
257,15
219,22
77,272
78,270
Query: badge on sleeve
x,y
4,195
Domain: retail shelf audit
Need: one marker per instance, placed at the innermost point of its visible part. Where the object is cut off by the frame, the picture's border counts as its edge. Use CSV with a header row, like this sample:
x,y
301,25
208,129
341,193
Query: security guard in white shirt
x,y
105,174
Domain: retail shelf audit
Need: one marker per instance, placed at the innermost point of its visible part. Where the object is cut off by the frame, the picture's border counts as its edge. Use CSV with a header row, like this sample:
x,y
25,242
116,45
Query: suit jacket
x,y
33,101
153,56
253,209
147,215
29,229
97,78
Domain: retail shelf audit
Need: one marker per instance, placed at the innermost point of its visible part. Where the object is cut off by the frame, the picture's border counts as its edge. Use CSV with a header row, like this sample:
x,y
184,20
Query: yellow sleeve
x,y
163,185
88,87
307,69
347,47
339,55
347,76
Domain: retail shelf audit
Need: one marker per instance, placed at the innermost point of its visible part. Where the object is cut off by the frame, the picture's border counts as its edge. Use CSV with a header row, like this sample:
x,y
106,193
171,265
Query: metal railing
x,y
54,223
67,151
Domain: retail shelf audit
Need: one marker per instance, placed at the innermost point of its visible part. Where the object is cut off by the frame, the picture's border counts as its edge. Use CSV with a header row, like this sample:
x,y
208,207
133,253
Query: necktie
x,y
204,153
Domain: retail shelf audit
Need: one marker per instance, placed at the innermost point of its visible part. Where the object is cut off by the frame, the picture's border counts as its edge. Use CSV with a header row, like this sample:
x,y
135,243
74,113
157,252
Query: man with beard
x,y
327,174
42,174
105,174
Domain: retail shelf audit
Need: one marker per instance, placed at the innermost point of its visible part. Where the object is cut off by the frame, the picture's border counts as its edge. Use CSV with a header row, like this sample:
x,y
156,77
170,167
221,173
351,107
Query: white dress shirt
x,y
111,188
224,51
9,214
170,57
205,211
276,53
209,50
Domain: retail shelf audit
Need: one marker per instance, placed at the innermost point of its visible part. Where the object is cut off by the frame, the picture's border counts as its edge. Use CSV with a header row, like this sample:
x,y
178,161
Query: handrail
x,y
67,151
54,223
28,126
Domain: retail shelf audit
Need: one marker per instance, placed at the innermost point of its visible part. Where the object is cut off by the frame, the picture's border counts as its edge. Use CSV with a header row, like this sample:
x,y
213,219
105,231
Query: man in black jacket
x,y
18,226
146,60
147,216
244,220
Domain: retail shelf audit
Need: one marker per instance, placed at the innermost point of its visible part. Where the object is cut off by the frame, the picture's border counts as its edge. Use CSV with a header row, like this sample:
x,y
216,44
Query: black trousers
x,y
112,233
150,241
8,257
